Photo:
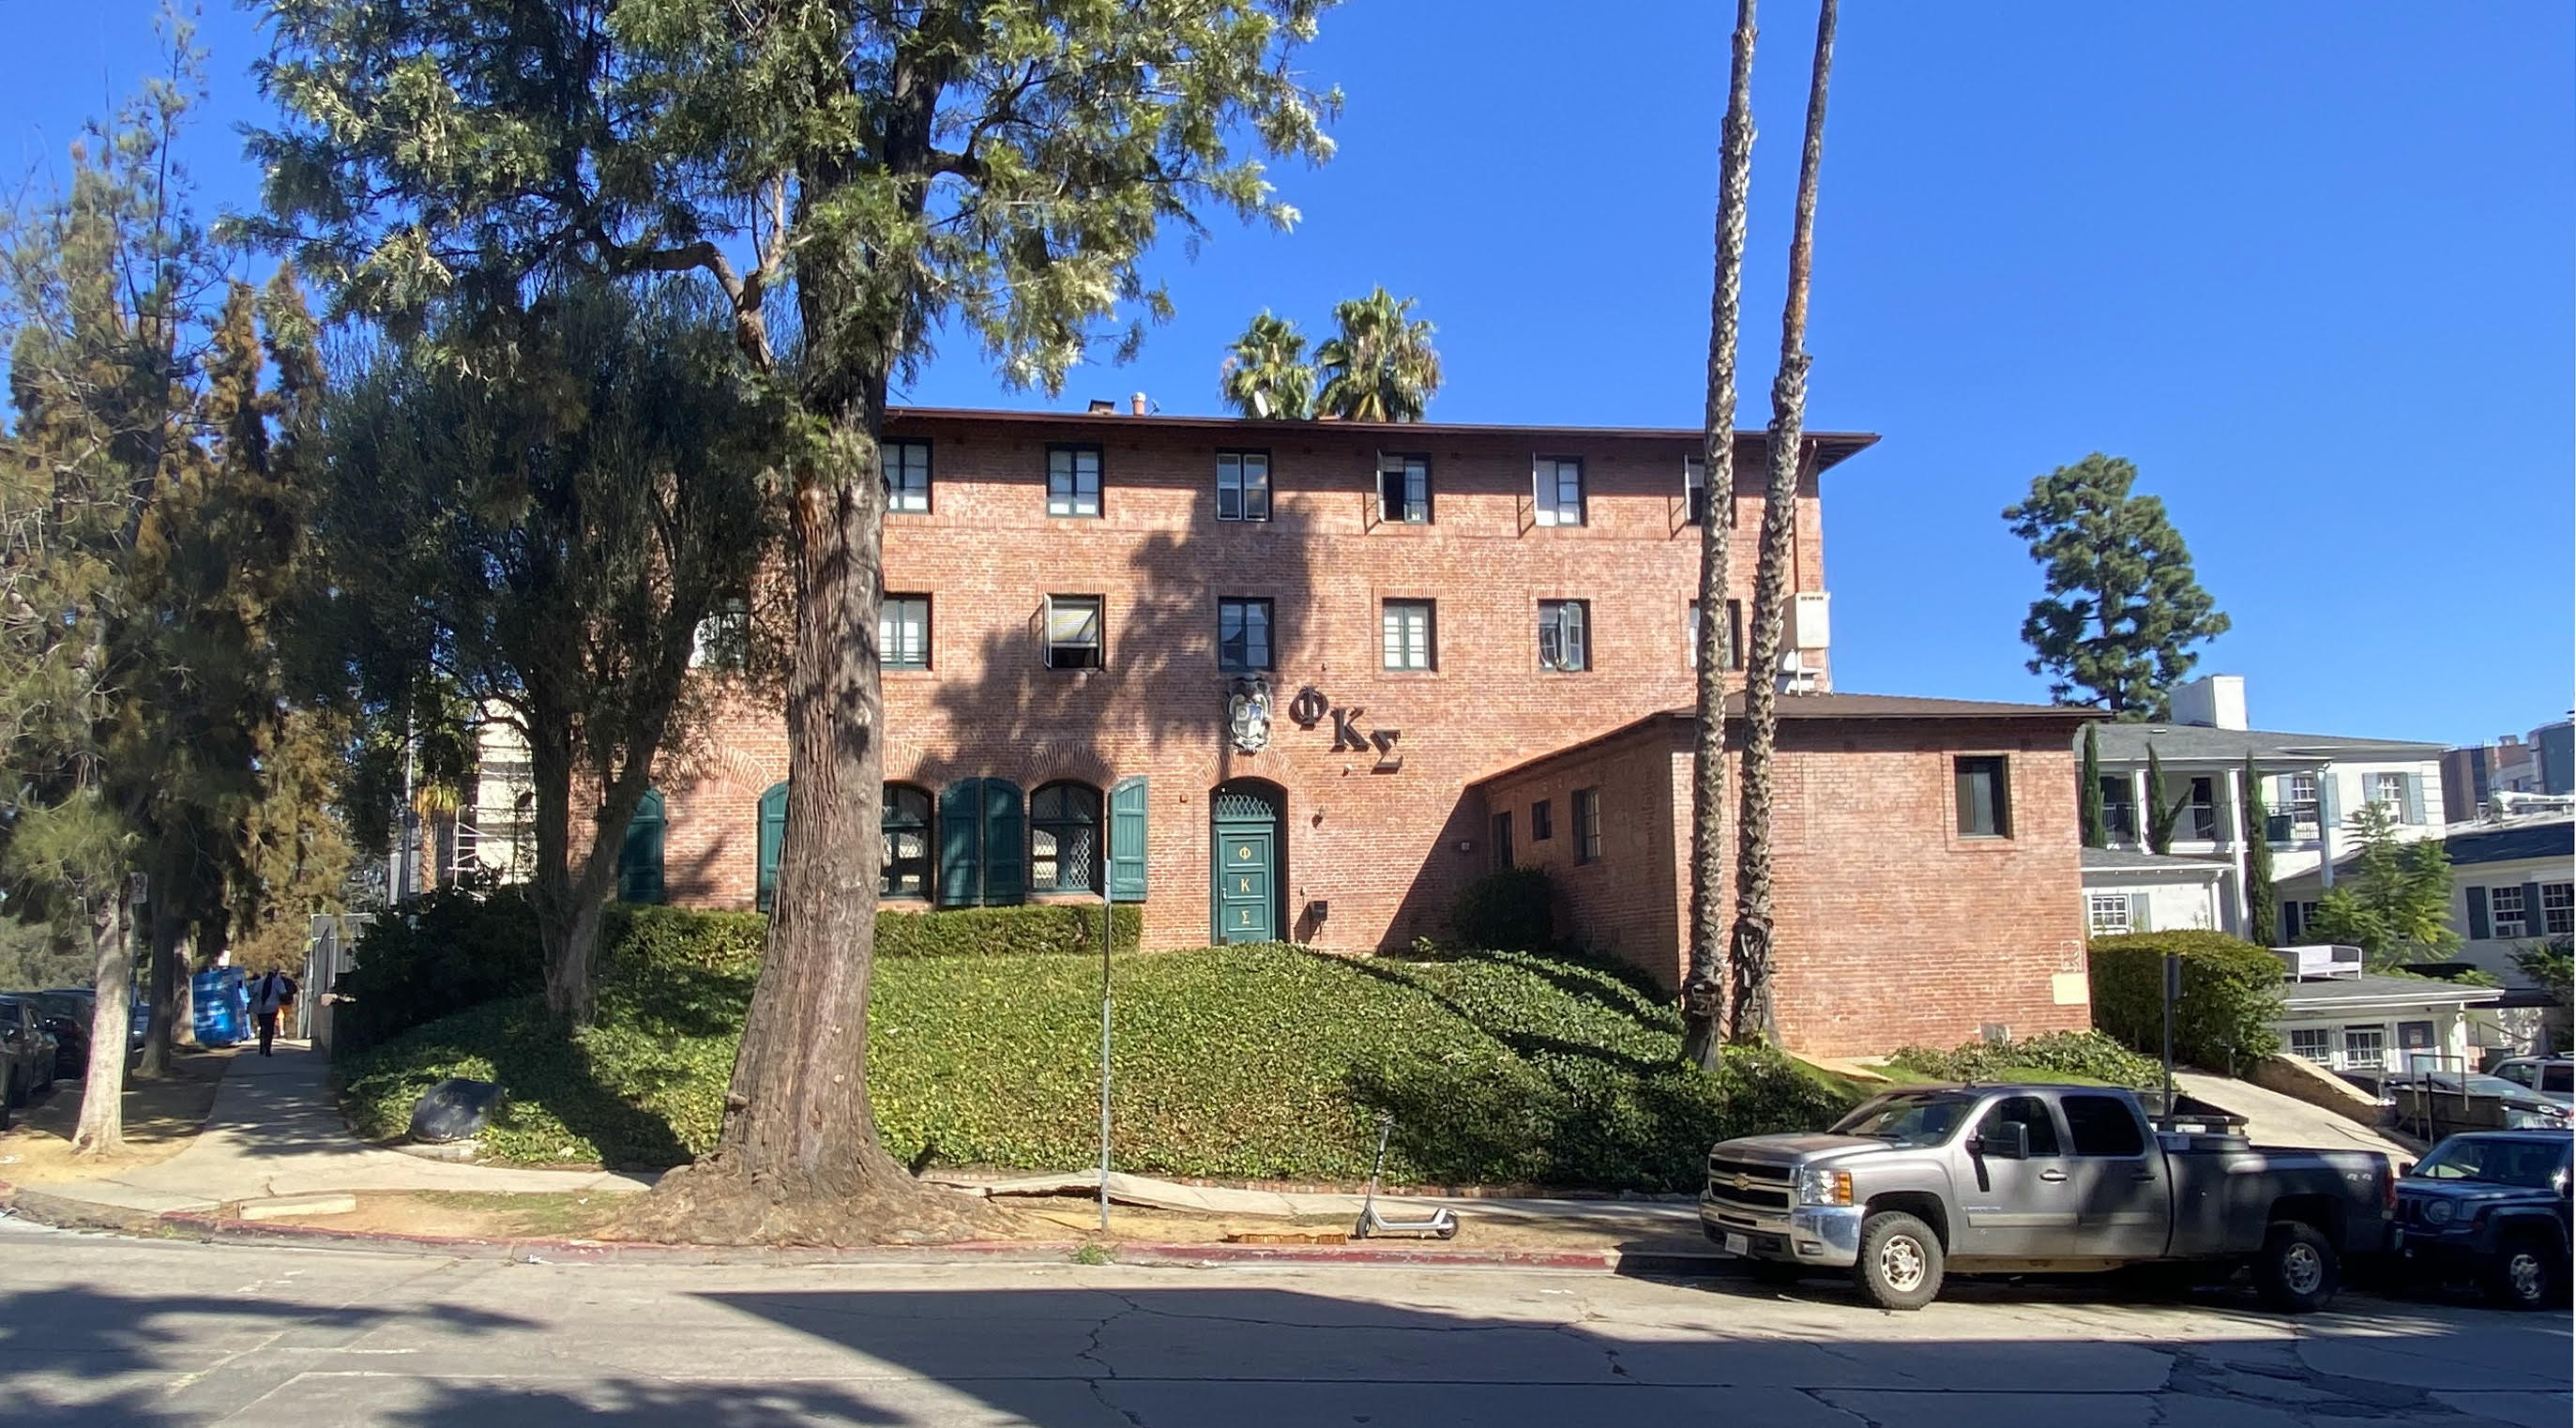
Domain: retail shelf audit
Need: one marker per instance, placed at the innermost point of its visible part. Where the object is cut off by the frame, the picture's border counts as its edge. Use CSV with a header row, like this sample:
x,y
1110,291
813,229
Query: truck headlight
x,y
2439,1212
1820,1186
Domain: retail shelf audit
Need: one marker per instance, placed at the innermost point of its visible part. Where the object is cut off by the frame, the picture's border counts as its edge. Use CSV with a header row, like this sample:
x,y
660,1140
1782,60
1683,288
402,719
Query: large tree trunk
x,y
565,933
101,1129
1703,995
1749,956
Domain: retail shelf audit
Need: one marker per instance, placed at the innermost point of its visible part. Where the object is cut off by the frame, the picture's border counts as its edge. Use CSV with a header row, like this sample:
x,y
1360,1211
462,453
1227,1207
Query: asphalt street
x,y
96,1330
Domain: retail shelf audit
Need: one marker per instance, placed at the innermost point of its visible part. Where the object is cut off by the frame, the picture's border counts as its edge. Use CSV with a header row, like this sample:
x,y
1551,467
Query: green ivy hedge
x,y
1033,929
2087,1054
1257,1062
2231,994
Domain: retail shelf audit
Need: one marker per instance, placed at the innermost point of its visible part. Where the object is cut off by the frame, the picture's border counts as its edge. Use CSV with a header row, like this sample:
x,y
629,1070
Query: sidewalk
x,y
274,1131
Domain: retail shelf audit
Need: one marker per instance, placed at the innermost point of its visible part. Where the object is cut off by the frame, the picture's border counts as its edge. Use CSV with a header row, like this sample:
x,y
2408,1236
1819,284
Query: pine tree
x,y
2123,608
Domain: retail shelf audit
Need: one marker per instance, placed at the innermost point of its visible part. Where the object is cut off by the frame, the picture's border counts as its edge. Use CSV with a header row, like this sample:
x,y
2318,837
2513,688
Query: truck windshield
x,y
1909,1120
2531,1164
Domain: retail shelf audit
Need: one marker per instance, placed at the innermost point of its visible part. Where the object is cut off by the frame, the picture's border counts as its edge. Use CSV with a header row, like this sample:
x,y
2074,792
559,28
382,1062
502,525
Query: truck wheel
x,y
1900,1261
2524,1275
1777,1273
2297,1271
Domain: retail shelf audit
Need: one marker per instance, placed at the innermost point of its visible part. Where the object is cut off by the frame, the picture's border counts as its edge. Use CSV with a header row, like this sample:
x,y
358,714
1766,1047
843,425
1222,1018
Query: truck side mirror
x,y
2004,1140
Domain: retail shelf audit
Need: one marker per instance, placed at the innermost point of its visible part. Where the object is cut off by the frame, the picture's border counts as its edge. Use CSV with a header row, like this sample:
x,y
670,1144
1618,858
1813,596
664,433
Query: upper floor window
x,y
2512,917
1695,490
2298,793
1734,634
723,638
903,632
905,822
1404,489
1243,485
1242,635
1073,480
1073,632
2120,806
1064,838
1587,825
1558,485
907,475
1984,797
1564,634
1542,821
1409,634
2557,909
2397,791
1503,839
2202,811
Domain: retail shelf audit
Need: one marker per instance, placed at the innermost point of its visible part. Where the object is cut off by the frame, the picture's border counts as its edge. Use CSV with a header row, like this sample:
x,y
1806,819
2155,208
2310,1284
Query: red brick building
x,y
1449,628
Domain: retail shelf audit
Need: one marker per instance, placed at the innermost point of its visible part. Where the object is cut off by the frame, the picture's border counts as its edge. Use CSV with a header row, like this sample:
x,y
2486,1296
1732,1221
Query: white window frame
x,y
1412,477
722,640
1568,647
2381,784
1098,644
907,476
2351,1057
2296,796
1695,491
1077,493
1409,646
2106,914
1556,486
905,645
2319,1048
2504,922
1235,476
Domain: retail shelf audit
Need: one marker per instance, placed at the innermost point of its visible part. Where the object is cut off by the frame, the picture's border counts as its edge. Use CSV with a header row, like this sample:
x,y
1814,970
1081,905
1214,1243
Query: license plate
x,y
1738,1244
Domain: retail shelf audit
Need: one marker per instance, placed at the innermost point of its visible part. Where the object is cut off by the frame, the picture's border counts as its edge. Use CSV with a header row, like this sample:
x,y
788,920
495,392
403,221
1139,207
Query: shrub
x,y
1509,909
2088,1054
438,953
1036,929
2231,993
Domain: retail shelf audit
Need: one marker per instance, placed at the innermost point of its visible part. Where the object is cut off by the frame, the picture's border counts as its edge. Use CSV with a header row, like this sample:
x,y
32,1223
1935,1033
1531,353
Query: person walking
x,y
268,996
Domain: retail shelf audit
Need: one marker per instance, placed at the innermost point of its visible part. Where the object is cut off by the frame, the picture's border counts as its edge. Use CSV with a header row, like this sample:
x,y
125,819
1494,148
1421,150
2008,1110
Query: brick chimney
x,y
1136,404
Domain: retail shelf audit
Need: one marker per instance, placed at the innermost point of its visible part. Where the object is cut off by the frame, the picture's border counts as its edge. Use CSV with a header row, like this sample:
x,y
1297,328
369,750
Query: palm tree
x,y
1268,375
1749,954
1381,366
1703,996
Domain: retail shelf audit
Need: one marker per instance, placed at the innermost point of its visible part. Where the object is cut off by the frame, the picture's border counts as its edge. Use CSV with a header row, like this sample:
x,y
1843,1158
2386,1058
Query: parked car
x,y
2489,1206
2551,1076
2524,1108
1999,1179
138,1019
67,1018
27,1051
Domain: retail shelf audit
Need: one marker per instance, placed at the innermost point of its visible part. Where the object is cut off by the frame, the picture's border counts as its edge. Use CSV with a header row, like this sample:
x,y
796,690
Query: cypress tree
x,y
2161,815
2097,828
2262,901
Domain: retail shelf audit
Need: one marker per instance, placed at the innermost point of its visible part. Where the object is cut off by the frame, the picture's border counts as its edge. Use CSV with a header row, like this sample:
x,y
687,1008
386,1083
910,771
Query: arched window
x,y
773,838
639,858
1064,838
906,824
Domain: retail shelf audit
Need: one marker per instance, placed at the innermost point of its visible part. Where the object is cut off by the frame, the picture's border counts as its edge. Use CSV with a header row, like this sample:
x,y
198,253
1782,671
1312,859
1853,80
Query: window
x,y
2120,806
905,821
2390,789
2202,815
1073,480
2027,1111
1542,821
983,844
1587,825
724,638
1503,839
1242,635
1734,633
907,475
1243,485
2107,914
903,632
1564,639
2298,797
2505,904
1064,838
2557,909
2294,921
2365,1048
2102,1125
1404,489
1409,634
2312,1043
1558,484
1073,632
1985,800
1695,491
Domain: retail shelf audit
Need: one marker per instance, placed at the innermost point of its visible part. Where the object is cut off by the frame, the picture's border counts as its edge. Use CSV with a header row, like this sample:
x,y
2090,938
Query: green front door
x,y
1247,876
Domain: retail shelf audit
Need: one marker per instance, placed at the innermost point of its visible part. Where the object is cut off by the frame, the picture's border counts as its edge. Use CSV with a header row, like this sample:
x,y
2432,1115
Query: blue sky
x,y
2306,264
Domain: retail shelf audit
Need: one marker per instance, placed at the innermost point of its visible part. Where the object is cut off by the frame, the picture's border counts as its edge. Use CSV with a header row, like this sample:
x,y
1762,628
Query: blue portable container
x,y
221,1005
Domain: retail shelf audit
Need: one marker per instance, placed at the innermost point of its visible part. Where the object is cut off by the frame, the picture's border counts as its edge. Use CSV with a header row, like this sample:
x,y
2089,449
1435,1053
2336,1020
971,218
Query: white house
x,y
2129,891
2311,785
2344,1019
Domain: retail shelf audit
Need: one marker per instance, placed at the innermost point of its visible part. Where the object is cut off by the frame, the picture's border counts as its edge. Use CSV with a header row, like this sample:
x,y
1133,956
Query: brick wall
x,y
1383,849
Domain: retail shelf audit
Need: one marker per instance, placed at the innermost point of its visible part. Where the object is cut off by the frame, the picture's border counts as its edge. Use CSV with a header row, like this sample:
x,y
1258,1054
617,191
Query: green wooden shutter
x,y
2479,928
961,843
639,858
2535,923
773,838
1127,840
1006,844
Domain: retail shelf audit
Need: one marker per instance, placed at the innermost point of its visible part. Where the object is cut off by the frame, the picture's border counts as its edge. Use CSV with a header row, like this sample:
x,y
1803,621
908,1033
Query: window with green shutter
x,y
1006,844
773,838
1127,841
639,857
961,843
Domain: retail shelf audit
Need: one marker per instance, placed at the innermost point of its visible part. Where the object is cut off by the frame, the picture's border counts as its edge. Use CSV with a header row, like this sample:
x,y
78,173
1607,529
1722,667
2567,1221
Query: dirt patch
x,y
162,1118
464,1214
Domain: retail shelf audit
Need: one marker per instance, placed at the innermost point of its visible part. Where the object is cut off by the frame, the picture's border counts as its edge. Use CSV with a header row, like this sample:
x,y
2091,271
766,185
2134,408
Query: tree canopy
x,y
1379,365
2123,608
2394,903
1266,374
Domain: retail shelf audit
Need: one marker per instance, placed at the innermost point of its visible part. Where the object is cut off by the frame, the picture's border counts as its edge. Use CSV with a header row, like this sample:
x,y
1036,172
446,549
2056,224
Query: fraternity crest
x,y
1248,715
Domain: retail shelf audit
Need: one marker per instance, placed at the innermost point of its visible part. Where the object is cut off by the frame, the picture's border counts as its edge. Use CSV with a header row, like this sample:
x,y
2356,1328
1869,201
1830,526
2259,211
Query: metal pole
x,y
1107,919
2173,991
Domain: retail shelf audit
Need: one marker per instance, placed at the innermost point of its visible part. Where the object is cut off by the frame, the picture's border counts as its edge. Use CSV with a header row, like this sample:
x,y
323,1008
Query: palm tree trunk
x,y
1749,955
1703,995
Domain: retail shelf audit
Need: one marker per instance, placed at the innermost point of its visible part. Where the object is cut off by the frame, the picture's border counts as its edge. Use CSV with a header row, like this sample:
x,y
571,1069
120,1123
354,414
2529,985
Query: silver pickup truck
x,y
2038,1179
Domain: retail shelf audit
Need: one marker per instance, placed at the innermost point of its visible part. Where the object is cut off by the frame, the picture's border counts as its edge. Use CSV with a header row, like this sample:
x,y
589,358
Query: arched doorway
x,y
1248,861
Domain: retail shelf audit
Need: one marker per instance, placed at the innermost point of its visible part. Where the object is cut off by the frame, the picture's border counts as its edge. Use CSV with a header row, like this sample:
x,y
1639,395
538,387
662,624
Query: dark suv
x,y
2489,1206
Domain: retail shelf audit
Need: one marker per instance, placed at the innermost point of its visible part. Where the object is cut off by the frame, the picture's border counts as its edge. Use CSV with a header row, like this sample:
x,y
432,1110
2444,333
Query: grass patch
x,y
1261,1062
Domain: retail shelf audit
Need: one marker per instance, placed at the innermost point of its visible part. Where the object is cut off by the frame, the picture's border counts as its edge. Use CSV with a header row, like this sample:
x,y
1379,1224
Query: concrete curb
x,y
65,1212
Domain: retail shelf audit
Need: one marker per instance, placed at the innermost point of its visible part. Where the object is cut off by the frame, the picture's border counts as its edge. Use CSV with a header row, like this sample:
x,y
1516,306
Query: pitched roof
x,y
1825,708
2504,845
2126,860
2197,743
